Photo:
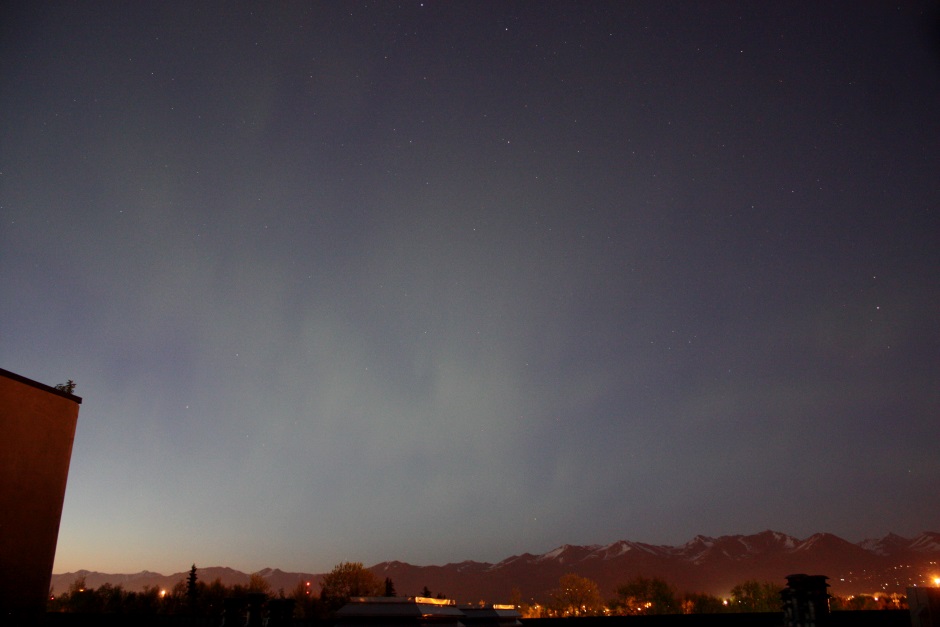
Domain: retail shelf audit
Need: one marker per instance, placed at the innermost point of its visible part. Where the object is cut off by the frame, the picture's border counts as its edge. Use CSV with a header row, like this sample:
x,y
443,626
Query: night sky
x,y
436,281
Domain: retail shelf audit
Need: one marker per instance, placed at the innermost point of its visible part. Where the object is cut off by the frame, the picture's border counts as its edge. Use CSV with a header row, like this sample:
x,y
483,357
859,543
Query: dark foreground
x,y
868,618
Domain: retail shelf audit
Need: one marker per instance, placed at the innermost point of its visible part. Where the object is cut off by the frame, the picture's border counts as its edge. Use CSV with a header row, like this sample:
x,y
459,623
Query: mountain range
x,y
704,564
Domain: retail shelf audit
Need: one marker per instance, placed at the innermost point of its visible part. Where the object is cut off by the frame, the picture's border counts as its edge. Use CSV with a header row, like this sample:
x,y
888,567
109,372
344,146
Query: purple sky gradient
x,y
436,281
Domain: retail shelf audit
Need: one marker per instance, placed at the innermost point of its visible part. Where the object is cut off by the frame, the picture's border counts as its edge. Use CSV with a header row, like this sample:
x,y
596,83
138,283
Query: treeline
x,y
194,597
580,596
574,596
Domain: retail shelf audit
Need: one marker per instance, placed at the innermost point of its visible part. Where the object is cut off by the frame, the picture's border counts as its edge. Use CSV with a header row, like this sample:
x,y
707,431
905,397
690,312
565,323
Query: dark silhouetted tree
x,y
348,579
701,603
389,587
755,596
212,597
577,596
306,603
80,598
643,595
192,590
257,583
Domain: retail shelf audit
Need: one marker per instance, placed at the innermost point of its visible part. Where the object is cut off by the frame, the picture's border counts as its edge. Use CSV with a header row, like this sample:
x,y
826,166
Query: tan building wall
x,y
37,427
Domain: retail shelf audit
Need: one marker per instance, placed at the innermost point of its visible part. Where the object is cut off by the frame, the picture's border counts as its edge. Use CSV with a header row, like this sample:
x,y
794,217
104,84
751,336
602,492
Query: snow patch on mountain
x,y
567,554
927,542
510,561
553,554
613,551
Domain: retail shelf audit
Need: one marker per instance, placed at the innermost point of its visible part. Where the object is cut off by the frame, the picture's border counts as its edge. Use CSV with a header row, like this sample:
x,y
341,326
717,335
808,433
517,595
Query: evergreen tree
x,y
192,590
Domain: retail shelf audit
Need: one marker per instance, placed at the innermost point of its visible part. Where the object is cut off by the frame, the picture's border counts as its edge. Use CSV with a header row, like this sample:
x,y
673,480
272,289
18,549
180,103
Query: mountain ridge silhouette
x,y
704,564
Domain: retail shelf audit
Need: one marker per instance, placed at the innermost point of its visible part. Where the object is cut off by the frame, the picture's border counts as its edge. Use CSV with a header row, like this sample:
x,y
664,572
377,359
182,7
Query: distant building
x,y
490,616
422,612
37,427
